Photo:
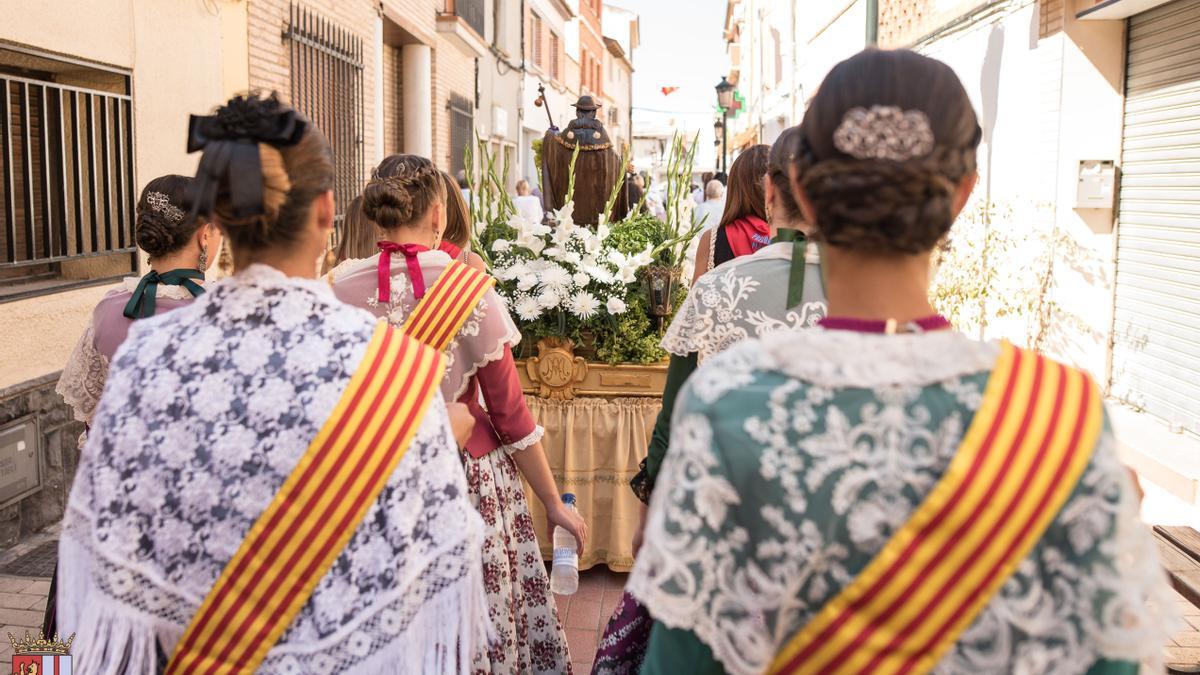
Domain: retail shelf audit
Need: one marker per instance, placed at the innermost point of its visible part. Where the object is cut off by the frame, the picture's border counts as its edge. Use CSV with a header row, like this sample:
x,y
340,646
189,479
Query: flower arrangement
x,y
562,279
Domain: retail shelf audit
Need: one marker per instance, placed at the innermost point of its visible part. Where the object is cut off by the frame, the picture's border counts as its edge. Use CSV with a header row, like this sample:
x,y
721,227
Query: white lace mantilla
x,y
785,477
481,340
207,411
741,299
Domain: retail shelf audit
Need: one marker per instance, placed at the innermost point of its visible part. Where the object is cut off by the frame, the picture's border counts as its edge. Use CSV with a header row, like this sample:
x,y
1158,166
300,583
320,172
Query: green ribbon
x,y
799,242
141,304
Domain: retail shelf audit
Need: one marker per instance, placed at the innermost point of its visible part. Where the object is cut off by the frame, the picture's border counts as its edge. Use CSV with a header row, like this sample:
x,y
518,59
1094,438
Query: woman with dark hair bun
x,y
883,494
779,288
181,250
743,228
413,283
271,483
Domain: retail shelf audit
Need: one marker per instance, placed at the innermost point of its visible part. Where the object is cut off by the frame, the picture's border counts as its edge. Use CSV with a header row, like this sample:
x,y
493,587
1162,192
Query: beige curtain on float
x,y
594,446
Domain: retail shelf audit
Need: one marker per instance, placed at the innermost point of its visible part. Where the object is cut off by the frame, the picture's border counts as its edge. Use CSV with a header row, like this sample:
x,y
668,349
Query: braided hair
x,y
890,199
402,190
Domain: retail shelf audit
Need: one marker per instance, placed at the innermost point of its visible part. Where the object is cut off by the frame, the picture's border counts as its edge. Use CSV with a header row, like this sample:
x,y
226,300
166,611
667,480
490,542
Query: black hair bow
x,y
230,141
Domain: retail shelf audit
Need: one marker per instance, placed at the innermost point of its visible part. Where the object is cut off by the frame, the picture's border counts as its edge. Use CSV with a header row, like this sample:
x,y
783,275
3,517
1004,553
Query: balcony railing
x,y
473,12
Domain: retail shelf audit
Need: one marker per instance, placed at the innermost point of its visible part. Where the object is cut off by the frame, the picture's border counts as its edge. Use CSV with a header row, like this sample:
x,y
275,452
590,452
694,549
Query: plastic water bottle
x,y
564,576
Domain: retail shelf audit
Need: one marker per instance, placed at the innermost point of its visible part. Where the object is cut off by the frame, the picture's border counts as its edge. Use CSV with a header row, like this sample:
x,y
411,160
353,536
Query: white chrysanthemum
x,y
584,305
599,273
501,245
548,299
572,257
581,279
589,260
615,305
555,277
528,308
514,271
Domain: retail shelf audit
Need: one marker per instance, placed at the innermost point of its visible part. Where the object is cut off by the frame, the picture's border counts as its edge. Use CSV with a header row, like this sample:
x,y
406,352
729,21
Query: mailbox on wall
x,y
20,460
1097,184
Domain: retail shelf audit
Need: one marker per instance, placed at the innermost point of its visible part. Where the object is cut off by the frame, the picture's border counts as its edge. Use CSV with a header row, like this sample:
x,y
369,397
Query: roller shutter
x,y
1156,351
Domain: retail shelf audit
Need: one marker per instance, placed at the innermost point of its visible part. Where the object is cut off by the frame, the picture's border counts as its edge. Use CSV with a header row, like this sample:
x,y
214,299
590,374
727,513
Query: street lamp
x,y
725,101
718,135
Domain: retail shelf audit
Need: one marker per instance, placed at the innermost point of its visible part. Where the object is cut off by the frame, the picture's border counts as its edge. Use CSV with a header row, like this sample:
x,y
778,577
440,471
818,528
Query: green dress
x,y
792,461
743,298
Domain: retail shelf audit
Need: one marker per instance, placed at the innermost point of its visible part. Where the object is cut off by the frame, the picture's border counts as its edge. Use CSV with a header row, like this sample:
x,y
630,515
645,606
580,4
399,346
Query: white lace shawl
x,y
743,580
744,298
83,376
208,408
480,341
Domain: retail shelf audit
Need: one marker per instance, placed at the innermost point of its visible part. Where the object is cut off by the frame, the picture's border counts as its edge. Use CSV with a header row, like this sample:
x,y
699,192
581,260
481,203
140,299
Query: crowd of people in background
x,y
316,464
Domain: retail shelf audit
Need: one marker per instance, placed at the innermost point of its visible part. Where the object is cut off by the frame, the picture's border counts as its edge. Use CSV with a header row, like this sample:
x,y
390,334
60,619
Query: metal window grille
x,y
462,126
327,87
67,186
471,11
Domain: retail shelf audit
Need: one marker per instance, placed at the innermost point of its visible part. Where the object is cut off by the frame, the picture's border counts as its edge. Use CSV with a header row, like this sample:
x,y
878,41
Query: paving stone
x,y
21,601
21,617
583,614
15,584
39,587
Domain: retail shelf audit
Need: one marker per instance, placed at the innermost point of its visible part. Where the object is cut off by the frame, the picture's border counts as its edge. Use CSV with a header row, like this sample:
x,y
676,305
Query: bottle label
x,y
566,556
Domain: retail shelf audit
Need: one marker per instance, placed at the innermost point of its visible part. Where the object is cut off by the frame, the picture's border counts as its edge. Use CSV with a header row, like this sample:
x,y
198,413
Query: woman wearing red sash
x,y
407,198
882,494
743,228
229,514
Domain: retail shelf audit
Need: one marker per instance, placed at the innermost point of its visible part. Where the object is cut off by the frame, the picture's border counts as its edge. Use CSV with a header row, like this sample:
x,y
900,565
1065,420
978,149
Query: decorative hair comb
x,y
161,203
884,132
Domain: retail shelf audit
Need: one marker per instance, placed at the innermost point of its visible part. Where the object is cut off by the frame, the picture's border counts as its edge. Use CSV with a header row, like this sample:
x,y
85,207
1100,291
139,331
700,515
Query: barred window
x,y
462,128
67,192
535,34
555,59
327,87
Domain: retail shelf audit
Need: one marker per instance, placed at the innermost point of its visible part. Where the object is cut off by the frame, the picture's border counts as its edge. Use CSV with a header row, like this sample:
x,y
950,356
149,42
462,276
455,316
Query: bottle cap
x,y
568,498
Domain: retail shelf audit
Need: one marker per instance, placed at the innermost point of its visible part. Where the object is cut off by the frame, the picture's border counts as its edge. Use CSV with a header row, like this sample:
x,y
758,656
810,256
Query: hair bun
x,y
387,204
880,207
156,233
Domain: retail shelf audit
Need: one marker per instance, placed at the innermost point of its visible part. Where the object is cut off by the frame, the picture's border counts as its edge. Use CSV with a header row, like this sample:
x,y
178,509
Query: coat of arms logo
x,y
39,656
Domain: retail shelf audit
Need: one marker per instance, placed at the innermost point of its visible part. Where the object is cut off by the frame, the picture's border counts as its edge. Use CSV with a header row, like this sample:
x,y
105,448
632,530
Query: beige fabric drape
x,y
594,446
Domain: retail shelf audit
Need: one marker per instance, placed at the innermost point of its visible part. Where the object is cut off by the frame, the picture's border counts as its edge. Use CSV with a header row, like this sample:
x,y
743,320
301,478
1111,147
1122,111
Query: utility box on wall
x,y
1097,184
20,463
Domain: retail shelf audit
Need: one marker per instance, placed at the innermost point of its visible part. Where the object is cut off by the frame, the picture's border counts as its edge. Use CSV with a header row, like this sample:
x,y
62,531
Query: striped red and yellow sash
x,y
1020,459
445,308
311,519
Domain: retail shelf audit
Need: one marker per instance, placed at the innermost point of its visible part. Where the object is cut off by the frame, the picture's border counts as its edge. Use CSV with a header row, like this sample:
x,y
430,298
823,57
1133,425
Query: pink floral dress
x,y
482,375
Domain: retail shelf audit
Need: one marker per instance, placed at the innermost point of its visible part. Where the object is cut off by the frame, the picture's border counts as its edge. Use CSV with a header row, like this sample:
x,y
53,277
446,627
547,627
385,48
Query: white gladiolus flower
x,y
562,235
602,229
589,260
552,252
572,257
518,222
501,245
615,306
527,282
528,308
591,244
548,299
644,258
584,305
535,245
627,274
566,216
581,279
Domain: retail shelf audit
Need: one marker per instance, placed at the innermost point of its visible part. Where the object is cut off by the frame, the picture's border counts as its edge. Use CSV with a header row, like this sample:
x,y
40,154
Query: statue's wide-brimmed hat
x,y
586,103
